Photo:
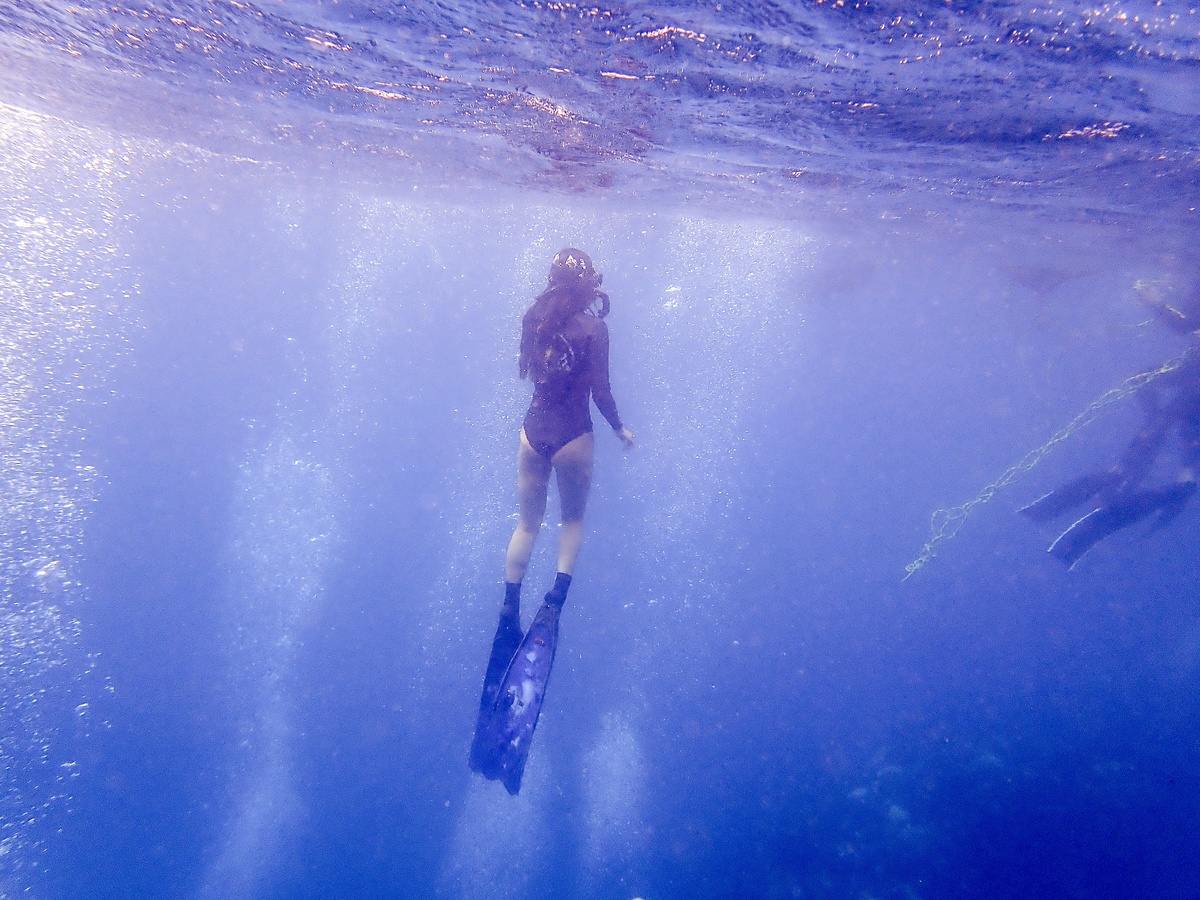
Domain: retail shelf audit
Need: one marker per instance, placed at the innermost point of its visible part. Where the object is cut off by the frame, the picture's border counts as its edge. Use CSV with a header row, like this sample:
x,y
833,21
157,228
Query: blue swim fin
x,y
486,744
519,701
1164,503
1071,495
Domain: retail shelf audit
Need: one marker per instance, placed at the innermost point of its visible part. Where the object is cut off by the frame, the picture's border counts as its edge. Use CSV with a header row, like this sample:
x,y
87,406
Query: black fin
x,y
1166,503
1070,495
485,743
519,702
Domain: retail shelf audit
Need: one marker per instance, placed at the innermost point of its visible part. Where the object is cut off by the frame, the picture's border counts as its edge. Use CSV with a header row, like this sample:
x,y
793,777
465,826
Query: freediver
x,y
564,352
1115,498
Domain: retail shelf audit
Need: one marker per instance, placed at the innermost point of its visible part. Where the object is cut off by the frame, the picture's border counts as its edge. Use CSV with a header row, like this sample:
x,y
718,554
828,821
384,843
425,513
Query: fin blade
x,y
1072,494
519,701
486,742
1166,503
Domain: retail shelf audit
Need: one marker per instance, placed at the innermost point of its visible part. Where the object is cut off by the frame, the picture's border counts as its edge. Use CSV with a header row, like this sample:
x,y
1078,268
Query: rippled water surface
x,y
764,104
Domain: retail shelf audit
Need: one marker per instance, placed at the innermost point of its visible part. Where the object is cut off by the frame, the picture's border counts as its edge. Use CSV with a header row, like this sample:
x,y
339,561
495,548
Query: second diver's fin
x,y
1084,534
1072,494
485,745
519,702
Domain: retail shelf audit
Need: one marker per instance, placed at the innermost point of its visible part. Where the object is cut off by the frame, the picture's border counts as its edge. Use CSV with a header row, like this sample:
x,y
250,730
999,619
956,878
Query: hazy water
x,y
262,268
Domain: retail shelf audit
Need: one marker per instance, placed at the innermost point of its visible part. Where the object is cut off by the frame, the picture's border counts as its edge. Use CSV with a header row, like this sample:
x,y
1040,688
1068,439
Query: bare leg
x,y
573,472
533,479
1142,451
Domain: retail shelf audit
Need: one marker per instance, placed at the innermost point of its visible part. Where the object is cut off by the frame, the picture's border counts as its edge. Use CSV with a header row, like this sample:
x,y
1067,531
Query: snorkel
x,y
604,304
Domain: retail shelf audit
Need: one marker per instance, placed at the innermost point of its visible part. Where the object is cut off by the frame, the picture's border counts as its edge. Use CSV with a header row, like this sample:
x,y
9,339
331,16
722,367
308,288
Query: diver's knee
x,y
572,524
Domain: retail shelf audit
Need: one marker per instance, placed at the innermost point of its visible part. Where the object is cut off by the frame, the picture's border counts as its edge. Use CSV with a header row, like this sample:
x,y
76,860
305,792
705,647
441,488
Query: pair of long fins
x,y
513,689
1122,511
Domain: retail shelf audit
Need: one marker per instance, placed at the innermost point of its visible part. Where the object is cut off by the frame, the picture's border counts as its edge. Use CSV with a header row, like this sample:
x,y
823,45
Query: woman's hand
x,y
626,437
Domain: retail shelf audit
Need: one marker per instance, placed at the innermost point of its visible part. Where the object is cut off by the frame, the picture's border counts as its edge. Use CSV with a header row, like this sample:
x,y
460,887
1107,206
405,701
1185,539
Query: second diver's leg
x,y
1144,448
533,479
573,472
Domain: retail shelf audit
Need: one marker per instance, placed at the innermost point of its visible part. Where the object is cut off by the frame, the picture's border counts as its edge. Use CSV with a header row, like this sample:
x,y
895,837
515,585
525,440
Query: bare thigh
x,y
533,481
573,472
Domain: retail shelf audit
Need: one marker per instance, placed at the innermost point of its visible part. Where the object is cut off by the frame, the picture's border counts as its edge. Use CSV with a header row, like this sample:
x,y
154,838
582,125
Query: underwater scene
x,y
889,586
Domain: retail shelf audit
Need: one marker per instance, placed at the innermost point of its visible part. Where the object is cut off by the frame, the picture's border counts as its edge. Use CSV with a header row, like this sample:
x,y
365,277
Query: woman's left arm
x,y
602,388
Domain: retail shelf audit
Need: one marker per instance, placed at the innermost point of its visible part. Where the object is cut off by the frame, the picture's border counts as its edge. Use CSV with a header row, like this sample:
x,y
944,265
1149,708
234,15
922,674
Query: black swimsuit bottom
x,y
547,437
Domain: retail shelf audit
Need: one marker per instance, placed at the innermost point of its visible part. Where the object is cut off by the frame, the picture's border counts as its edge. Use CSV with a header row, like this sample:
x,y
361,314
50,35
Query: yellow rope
x,y
946,522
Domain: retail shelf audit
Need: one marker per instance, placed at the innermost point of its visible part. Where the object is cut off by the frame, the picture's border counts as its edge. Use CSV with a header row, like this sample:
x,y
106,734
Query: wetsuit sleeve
x,y
601,389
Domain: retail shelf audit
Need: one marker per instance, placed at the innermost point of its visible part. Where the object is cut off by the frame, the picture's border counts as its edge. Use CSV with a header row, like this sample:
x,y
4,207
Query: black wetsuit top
x,y
571,372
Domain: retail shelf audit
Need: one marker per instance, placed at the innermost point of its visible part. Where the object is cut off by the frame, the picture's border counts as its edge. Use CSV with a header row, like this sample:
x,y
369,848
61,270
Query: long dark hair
x,y
573,288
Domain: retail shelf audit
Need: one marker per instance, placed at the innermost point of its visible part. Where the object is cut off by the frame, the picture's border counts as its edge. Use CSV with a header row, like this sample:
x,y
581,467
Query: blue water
x,y
262,267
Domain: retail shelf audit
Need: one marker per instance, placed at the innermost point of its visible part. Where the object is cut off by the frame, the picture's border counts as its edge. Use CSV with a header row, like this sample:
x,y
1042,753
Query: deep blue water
x,y
262,268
